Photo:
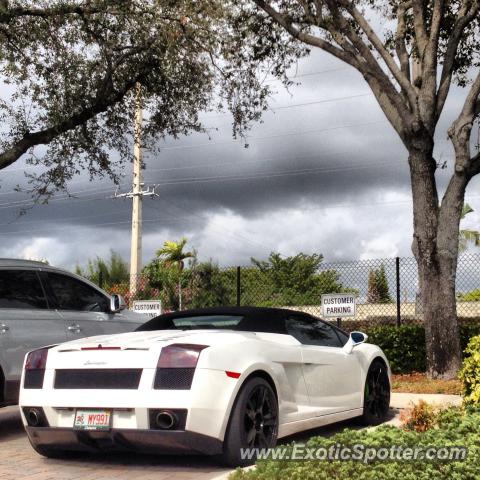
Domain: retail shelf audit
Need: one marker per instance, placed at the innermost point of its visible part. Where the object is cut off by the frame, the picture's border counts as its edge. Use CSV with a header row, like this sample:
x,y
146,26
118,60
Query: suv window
x,y
21,289
72,294
312,332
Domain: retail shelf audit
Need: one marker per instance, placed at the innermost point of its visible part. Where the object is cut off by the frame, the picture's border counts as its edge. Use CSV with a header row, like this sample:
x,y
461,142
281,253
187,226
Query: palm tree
x,y
173,255
467,236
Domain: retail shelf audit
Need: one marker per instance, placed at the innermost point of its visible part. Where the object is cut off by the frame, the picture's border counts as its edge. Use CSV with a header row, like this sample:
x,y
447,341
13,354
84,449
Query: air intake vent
x,y
174,378
99,379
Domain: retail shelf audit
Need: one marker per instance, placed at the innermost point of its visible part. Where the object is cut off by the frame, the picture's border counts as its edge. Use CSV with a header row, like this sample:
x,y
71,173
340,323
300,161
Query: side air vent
x,y
98,379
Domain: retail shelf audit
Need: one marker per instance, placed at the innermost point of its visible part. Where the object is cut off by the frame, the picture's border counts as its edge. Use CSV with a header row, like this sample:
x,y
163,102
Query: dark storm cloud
x,y
324,172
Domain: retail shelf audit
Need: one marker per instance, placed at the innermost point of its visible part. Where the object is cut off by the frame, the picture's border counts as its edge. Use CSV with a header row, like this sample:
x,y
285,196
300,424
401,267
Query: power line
x,y
30,203
191,215
280,135
80,217
284,107
274,174
222,229
240,162
240,177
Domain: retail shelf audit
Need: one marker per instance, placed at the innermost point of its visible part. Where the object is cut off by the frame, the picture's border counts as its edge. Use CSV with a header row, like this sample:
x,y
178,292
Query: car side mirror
x,y
117,303
356,338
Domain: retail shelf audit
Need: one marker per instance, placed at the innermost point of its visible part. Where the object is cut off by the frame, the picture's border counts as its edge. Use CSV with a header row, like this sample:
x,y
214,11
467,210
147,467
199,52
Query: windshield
x,y
227,322
207,321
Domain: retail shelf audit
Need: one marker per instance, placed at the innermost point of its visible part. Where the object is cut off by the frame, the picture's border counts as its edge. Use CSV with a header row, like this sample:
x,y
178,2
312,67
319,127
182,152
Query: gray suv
x,y
42,305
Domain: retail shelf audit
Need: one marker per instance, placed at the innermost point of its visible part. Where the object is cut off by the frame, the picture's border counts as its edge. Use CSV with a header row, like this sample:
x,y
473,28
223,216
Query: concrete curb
x,y
405,400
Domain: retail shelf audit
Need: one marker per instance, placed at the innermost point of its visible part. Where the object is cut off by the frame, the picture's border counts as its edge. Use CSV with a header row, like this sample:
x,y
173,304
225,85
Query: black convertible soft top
x,y
254,319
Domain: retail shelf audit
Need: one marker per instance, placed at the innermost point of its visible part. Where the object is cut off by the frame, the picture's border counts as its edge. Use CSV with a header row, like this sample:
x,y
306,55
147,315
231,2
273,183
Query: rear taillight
x,y
180,355
176,366
35,368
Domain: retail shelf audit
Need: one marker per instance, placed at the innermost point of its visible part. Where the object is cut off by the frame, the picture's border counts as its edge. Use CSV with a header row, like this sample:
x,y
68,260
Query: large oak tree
x,y
68,70
410,71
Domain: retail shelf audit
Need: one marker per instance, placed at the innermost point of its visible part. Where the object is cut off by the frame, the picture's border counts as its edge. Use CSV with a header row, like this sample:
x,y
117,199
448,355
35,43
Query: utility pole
x,y
137,195
136,244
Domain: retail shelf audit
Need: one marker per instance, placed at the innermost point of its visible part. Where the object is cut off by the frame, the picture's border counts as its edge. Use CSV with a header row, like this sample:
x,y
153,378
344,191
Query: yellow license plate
x,y
92,419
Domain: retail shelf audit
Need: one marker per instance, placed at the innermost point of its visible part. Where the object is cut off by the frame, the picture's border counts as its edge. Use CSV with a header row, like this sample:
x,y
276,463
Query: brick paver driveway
x,y
19,461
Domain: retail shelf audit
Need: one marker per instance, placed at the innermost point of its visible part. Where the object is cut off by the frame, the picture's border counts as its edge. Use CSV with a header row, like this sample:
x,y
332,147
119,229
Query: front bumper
x,y
141,441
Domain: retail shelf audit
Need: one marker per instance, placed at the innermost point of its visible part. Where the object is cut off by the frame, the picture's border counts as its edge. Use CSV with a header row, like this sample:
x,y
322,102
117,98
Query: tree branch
x,y
402,79
305,37
400,45
460,131
45,136
356,53
9,14
470,104
430,57
420,26
370,70
465,16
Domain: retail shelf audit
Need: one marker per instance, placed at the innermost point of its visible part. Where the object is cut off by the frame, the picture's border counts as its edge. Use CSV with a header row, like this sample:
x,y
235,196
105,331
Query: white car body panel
x,y
209,408
315,385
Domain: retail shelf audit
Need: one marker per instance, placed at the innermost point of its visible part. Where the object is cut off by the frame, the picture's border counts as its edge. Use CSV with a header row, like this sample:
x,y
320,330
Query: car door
x,y
333,377
26,321
85,309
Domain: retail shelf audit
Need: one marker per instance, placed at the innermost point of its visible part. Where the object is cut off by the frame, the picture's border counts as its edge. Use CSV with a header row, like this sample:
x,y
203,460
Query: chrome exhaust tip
x,y
33,417
165,420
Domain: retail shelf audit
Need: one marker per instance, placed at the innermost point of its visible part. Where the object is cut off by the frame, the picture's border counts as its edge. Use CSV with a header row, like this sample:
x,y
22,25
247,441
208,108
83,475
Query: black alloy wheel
x,y
260,421
377,394
253,422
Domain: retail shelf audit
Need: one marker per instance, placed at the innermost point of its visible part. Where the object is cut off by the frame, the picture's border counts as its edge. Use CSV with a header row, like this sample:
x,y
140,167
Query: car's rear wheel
x,y
376,395
253,422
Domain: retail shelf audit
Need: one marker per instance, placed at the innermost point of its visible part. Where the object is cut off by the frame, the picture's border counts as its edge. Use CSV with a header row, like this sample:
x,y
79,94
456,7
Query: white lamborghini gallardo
x,y
210,381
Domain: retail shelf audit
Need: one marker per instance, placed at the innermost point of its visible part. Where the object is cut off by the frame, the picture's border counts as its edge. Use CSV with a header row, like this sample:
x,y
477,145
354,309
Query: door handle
x,y
74,328
4,328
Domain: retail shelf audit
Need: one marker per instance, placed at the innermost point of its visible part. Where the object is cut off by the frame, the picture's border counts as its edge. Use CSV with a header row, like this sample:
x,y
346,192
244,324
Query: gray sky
x,y
323,173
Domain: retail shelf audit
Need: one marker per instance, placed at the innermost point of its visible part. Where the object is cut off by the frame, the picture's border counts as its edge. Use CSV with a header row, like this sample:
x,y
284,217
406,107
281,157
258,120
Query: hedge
x,y
404,346
470,373
455,428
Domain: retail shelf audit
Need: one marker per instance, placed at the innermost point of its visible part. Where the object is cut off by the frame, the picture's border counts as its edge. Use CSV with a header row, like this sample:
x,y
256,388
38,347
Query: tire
x,y
376,400
253,422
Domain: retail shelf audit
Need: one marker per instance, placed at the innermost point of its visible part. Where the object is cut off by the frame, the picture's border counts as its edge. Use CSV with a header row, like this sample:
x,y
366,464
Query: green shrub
x,y
404,346
467,332
455,428
470,373
472,296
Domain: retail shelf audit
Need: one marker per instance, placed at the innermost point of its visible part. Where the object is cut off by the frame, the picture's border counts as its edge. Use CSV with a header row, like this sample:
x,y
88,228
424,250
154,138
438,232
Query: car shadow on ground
x,y
11,428
332,429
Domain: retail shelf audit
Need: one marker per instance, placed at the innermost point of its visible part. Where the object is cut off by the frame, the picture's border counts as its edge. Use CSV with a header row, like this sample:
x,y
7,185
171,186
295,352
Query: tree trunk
x,y
440,318
436,250
180,294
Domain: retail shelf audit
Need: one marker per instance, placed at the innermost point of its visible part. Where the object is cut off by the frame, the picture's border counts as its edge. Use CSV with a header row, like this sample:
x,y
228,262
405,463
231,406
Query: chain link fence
x,y
386,289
